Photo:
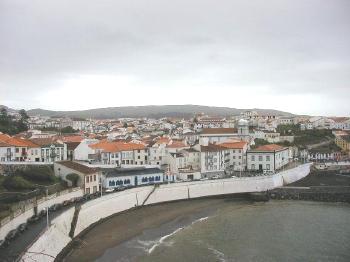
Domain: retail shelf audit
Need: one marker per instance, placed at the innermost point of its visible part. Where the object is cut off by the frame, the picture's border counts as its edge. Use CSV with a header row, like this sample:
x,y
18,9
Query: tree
x,y
22,123
68,130
12,126
4,120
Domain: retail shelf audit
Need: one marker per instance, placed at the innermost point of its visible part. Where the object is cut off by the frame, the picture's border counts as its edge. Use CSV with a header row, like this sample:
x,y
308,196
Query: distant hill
x,y
9,110
184,111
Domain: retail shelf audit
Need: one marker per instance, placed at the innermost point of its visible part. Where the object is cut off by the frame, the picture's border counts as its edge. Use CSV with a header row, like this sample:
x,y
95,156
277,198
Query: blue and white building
x,y
138,176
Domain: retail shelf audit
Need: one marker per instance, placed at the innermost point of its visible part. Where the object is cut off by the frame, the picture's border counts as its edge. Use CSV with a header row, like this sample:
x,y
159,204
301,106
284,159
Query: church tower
x,y
243,128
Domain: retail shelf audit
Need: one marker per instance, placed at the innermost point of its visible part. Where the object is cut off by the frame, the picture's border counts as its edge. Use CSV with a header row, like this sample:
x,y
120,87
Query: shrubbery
x,y
17,183
74,178
38,174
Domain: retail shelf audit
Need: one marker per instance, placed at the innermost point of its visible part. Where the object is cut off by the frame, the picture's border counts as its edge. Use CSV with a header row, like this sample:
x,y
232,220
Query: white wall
x,y
54,239
82,151
108,205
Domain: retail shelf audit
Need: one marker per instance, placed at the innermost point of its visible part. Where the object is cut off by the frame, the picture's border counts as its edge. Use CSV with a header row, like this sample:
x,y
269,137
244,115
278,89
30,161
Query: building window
x,y
260,158
268,166
87,179
267,158
253,166
253,158
94,177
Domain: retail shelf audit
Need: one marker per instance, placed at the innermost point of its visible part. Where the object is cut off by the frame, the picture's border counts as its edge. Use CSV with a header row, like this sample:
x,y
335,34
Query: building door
x,y
260,167
135,180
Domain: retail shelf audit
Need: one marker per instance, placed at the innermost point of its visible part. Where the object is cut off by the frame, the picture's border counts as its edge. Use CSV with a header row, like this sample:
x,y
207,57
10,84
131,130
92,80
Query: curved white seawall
x,y
108,205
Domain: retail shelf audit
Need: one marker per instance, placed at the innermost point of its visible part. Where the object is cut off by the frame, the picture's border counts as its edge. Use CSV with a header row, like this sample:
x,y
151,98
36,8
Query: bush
x,y
74,178
37,174
17,183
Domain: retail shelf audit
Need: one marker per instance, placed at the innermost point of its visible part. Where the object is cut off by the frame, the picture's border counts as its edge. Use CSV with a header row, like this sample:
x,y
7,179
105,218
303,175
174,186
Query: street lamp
x,y
47,209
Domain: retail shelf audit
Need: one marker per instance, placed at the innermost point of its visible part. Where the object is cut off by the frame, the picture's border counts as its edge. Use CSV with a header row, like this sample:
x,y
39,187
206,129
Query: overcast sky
x,y
292,55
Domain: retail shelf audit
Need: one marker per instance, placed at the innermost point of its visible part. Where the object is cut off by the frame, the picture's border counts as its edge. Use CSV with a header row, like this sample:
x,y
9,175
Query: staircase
x,y
74,221
149,194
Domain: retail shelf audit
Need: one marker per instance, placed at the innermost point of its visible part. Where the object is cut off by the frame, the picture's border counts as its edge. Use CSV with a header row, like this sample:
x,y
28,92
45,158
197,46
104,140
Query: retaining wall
x,y
108,205
55,238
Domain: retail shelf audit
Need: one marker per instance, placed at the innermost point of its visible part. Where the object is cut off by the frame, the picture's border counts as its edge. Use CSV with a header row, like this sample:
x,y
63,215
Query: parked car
x,y
109,190
233,177
204,178
22,227
33,219
215,177
79,199
268,172
67,202
119,188
12,234
55,207
42,213
3,243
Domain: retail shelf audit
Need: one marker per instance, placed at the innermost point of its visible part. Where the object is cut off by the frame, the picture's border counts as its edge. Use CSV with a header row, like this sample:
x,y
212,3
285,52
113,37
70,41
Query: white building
x,y
341,123
236,153
117,177
83,150
188,174
216,135
209,122
267,157
89,178
285,120
214,160
7,152
80,124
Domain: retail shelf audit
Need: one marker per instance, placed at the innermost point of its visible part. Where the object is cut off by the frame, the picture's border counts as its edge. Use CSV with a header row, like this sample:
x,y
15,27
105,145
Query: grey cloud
x,y
291,47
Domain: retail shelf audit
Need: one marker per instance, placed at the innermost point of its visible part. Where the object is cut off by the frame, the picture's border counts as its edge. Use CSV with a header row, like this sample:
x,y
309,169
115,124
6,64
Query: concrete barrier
x,y
95,210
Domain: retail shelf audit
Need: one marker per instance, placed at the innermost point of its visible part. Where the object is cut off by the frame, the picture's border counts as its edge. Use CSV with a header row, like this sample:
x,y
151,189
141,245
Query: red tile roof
x,y
15,141
78,167
72,138
271,147
210,131
112,147
44,141
212,148
234,145
176,144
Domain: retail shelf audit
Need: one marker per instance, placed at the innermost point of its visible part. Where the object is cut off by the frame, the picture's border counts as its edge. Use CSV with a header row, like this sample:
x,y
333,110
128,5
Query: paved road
x,y
21,242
